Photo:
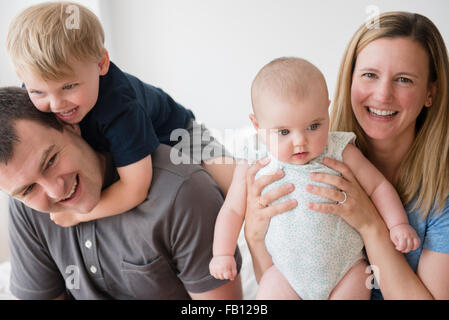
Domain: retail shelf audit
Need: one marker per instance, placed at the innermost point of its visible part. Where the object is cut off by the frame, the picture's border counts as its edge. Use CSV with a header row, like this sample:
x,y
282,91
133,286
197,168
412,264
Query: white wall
x,y
205,53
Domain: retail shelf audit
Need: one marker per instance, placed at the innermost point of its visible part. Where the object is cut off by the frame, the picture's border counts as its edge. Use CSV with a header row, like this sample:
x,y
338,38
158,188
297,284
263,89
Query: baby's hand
x,y
405,238
223,267
66,219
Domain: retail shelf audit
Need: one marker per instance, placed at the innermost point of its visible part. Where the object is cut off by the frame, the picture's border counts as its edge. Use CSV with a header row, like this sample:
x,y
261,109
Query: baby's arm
x,y
228,225
121,196
384,197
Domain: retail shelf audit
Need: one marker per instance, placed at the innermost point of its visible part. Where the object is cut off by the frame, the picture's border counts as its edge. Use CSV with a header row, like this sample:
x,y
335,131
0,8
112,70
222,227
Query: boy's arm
x,y
232,213
378,188
126,193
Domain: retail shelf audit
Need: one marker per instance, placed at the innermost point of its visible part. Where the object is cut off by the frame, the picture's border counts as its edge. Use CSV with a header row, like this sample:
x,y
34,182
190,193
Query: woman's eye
x,y
369,75
283,132
404,80
314,127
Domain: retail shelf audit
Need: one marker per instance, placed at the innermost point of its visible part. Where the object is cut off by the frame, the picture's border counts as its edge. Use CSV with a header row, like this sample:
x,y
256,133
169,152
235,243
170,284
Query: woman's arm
x,y
397,279
258,213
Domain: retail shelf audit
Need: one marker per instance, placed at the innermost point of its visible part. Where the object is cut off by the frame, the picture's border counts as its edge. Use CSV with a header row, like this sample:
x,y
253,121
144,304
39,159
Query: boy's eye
x,y
313,127
36,92
283,132
69,86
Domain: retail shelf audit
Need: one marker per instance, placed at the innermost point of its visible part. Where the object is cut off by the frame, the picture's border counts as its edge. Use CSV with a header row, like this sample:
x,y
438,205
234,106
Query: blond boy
x,y
66,70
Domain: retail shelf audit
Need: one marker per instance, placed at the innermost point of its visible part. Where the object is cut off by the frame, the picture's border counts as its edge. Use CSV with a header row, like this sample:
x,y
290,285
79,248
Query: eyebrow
x,y
313,121
398,73
42,162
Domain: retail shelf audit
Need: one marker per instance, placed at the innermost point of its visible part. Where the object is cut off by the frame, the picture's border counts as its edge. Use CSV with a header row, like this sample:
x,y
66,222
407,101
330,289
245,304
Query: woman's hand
x,y
258,211
357,210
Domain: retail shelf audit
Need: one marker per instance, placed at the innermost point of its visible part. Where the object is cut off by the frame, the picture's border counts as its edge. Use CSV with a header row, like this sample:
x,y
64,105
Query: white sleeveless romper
x,y
312,250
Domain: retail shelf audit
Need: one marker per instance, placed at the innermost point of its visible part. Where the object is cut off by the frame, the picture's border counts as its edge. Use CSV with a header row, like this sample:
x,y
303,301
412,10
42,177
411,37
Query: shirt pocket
x,y
153,281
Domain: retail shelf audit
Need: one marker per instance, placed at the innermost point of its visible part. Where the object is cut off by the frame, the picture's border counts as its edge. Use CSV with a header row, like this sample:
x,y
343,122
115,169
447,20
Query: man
x,y
159,250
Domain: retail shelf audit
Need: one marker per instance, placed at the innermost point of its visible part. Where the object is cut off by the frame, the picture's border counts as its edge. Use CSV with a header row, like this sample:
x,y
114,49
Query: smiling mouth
x,y
67,114
72,191
387,114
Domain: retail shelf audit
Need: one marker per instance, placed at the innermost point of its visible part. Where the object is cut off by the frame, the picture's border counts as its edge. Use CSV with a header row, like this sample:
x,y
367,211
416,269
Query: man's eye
x,y
313,127
28,190
283,132
52,160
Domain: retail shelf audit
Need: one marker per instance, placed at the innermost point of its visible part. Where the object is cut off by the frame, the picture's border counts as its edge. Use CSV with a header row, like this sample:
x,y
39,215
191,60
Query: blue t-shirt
x,y
433,233
131,118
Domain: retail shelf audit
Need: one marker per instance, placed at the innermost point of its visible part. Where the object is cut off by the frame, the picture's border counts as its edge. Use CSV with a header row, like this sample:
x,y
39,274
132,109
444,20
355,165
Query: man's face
x,y
52,171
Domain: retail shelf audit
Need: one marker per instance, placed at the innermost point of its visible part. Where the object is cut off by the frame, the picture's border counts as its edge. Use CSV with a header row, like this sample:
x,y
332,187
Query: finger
x,y
253,169
325,207
339,167
277,193
330,179
416,243
325,192
401,244
284,206
261,182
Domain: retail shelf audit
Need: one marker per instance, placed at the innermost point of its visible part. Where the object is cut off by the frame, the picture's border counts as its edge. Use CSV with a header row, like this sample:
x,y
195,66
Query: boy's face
x,y
294,130
70,98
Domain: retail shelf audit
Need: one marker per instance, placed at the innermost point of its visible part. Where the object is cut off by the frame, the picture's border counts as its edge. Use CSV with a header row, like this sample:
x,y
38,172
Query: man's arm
x,y
196,206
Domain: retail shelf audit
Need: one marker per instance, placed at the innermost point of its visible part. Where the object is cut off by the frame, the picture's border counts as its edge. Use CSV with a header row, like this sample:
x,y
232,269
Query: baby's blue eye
x,y
314,126
283,132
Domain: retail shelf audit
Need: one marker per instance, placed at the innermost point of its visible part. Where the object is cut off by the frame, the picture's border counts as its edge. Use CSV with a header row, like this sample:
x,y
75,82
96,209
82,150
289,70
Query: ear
x,y
431,94
104,62
253,119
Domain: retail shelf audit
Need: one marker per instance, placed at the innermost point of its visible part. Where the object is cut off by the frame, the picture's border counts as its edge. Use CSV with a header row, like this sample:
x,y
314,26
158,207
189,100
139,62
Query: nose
x,y
299,139
54,187
56,104
384,91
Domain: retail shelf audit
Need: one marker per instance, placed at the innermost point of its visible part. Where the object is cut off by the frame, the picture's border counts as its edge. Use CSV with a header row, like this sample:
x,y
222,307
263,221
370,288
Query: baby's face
x,y
70,98
294,130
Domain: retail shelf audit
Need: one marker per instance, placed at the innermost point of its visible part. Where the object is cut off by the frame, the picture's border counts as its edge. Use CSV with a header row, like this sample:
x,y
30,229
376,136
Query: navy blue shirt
x,y
131,118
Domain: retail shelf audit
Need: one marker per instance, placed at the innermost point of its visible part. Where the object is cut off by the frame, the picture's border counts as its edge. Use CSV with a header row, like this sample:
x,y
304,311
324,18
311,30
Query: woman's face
x,y
390,87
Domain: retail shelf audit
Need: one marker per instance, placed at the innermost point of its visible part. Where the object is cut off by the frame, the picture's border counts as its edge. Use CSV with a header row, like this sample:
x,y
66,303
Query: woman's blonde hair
x,y
44,39
424,171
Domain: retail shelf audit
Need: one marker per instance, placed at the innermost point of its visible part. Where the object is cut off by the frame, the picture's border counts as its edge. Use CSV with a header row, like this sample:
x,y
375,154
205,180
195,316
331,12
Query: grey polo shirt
x,y
159,250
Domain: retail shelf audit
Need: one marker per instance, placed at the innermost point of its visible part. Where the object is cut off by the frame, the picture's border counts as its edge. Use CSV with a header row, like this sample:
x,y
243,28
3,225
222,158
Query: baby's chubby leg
x,y
274,286
353,285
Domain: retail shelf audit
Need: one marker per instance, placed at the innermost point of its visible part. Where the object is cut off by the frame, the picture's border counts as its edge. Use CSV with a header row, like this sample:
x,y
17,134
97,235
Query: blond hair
x,y
44,39
287,77
424,171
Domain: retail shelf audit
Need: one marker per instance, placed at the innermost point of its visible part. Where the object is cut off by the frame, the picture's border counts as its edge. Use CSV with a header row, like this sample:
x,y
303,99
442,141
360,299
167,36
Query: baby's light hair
x,y
44,39
287,77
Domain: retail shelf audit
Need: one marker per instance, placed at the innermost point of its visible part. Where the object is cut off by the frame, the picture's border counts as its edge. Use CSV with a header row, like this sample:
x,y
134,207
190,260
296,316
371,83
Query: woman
x,y
392,92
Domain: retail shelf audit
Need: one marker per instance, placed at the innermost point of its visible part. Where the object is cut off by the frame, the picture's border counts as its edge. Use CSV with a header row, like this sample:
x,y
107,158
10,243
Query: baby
x,y
66,70
318,255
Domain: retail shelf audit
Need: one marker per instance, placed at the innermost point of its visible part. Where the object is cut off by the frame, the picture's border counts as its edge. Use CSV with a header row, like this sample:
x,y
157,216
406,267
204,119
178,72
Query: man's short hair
x,y
45,38
15,104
